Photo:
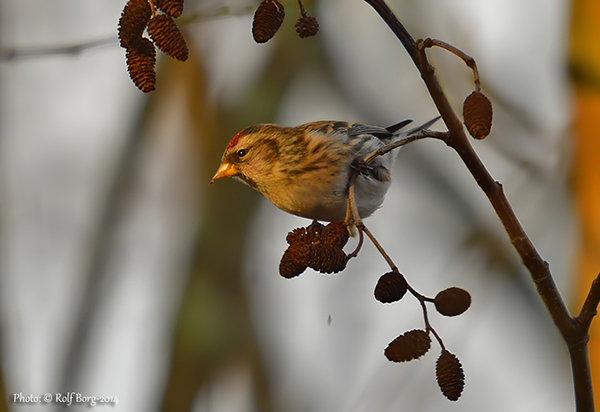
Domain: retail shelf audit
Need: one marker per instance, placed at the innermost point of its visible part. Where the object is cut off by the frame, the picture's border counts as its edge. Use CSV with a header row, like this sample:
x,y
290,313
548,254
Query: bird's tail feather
x,y
398,126
423,126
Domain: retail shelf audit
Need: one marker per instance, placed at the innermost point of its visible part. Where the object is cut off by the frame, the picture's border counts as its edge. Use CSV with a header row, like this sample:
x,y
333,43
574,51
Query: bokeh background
x,y
124,274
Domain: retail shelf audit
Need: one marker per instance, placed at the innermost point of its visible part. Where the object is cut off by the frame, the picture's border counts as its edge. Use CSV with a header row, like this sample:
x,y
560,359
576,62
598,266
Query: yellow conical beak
x,y
225,170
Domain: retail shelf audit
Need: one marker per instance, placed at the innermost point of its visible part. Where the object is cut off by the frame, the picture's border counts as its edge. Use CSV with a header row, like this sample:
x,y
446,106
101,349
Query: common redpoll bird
x,y
306,170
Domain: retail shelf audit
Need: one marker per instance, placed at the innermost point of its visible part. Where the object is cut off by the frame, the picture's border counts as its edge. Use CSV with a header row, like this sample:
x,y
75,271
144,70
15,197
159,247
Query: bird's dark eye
x,y
242,152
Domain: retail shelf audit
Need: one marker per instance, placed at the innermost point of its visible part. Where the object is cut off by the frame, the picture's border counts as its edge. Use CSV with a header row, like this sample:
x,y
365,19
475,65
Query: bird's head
x,y
251,155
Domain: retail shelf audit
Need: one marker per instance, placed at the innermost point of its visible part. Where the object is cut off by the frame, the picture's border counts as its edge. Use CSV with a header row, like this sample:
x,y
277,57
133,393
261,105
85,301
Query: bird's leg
x,y
353,219
362,167
352,216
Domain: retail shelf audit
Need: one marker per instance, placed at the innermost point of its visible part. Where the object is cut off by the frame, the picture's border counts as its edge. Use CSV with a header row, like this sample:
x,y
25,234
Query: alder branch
x,y
21,53
573,331
590,306
44,51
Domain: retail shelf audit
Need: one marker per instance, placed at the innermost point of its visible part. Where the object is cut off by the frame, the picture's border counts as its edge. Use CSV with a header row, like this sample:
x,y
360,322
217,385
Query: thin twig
x,y
428,326
590,306
42,51
302,9
378,247
469,61
361,238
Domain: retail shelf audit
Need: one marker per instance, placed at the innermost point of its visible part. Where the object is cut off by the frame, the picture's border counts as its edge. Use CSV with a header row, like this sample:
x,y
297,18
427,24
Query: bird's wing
x,y
358,129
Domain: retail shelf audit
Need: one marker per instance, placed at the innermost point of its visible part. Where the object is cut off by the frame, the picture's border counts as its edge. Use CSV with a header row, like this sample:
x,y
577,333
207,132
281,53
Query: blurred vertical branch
x,y
96,279
214,327
585,70
3,393
3,397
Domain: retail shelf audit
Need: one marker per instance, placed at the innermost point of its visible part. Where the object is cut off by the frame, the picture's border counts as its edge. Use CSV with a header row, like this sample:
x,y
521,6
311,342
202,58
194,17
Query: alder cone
x,y
267,20
305,235
141,58
296,236
335,233
408,346
133,21
391,287
450,375
452,301
316,246
294,260
327,258
307,26
478,113
167,37
173,8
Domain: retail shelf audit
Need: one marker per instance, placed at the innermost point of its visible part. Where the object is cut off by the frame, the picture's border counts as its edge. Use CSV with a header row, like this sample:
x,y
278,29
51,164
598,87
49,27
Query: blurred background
x,y
124,274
